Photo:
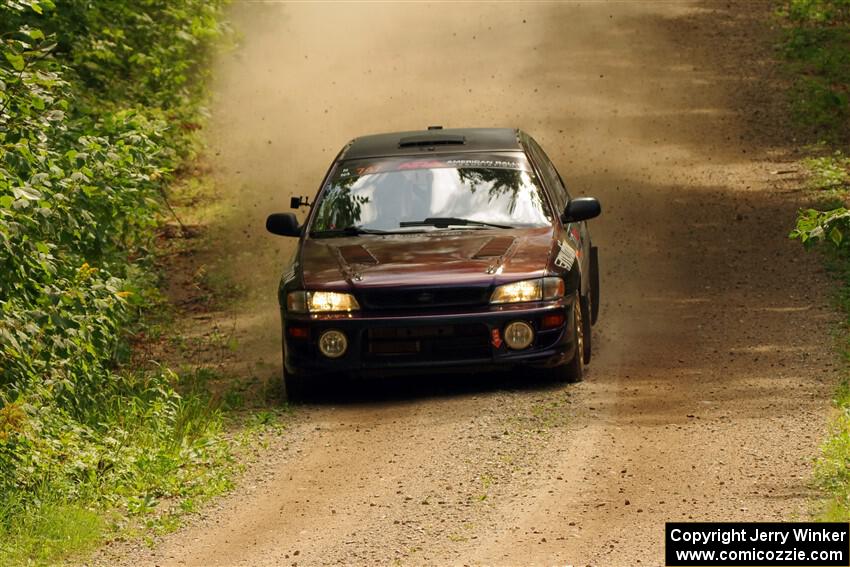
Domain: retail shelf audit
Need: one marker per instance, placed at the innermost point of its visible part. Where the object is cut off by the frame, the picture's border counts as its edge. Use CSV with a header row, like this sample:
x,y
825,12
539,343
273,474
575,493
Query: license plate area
x,y
437,342
404,333
390,348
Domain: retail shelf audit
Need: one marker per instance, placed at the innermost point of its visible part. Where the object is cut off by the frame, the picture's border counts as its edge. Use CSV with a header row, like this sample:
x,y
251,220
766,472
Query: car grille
x,y
437,343
424,298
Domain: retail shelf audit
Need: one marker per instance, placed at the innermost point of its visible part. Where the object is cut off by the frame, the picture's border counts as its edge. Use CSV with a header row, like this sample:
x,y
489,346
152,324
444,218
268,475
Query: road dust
x,y
709,386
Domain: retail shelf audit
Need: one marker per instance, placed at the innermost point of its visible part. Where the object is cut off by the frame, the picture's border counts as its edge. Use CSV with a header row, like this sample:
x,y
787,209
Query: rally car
x,y
438,250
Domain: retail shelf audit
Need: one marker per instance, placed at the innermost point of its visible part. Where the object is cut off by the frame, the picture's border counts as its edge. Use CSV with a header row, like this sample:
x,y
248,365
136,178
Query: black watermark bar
x,y
804,544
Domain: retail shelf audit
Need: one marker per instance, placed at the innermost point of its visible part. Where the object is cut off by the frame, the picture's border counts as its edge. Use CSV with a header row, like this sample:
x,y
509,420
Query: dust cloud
x,y
307,78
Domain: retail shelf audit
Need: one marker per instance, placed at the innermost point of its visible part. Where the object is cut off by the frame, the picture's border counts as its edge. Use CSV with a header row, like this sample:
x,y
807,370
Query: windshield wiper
x,y
444,222
346,231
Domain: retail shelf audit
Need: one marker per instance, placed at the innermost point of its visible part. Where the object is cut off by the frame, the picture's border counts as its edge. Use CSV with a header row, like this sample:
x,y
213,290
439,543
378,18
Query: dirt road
x,y
709,387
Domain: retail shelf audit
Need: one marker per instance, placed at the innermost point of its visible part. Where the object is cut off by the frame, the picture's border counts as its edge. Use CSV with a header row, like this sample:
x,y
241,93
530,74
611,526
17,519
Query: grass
x,y
157,461
832,467
817,53
829,173
817,36
174,473
152,461
54,530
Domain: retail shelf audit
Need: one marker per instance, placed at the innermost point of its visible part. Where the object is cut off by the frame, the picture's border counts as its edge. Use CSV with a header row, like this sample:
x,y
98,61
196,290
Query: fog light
x,y
333,344
518,335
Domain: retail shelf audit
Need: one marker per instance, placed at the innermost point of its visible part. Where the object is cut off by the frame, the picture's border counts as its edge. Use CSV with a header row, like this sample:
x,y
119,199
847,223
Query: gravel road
x,y
708,392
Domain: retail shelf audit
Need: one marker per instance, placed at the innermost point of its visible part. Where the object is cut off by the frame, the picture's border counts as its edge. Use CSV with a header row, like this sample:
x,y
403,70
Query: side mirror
x,y
283,224
583,208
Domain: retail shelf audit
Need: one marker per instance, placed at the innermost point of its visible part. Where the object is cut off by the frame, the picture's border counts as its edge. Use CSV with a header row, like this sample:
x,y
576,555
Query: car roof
x,y
434,139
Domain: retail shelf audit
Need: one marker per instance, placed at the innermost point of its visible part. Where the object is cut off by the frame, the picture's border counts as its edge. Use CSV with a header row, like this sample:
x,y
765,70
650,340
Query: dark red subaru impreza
x,y
439,250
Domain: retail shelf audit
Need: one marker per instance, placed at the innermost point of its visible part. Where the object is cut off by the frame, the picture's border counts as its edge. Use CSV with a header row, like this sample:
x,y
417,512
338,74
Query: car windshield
x,y
436,193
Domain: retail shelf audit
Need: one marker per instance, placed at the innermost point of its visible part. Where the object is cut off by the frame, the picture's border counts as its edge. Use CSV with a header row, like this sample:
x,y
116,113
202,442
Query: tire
x,y
573,371
594,285
295,388
588,335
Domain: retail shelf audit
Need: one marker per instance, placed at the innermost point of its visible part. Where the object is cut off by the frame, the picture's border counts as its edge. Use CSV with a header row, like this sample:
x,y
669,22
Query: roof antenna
x,y
435,127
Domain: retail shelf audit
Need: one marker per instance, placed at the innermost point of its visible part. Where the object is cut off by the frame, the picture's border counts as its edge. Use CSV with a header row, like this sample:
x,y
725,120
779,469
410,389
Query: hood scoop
x,y
495,247
356,254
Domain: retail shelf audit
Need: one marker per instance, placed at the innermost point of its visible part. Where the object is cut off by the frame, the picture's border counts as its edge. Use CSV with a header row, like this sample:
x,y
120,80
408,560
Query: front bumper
x,y
418,342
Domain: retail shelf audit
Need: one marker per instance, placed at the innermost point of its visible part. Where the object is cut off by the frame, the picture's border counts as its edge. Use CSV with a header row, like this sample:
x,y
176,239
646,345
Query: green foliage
x,y
832,469
817,47
818,12
830,173
98,102
41,535
815,226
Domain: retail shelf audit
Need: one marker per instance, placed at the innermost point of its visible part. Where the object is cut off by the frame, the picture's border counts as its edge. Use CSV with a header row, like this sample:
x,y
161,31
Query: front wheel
x,y
573,371
587,333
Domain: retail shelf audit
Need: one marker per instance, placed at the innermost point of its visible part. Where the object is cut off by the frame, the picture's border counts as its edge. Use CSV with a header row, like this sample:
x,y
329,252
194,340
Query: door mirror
x,y
283,224
583,208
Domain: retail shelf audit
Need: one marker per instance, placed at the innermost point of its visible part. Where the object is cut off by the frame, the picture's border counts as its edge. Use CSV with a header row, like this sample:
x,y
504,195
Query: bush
x,y
98,102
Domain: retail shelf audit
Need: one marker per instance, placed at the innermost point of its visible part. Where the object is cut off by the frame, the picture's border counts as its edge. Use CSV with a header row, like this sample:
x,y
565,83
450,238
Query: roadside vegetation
x,y
817,49
100,103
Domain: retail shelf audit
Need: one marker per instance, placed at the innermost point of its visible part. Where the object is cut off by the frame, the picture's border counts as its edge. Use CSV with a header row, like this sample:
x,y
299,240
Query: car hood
x,y
461,257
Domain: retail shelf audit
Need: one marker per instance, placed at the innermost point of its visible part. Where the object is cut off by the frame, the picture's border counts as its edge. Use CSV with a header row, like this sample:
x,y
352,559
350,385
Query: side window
x,y
553,180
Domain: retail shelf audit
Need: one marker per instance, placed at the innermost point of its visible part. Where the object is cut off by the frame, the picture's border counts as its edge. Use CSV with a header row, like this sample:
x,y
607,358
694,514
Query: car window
x,y
383,193
550,174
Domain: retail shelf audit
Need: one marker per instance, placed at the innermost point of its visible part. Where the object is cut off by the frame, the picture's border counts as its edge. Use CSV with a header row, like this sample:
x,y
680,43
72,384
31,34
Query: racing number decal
x,y
566,257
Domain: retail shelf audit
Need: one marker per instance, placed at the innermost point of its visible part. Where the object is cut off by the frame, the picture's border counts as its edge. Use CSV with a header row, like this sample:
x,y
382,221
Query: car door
x,y
574,235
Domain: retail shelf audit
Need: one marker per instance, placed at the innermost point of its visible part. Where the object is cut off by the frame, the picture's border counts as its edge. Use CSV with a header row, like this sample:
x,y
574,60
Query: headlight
x,y
529,290
320,302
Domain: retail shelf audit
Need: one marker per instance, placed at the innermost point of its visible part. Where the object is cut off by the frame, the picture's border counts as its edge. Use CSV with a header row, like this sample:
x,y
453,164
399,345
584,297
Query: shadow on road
x,y
407,388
